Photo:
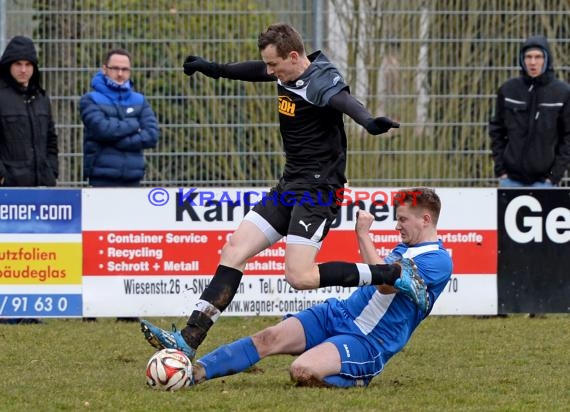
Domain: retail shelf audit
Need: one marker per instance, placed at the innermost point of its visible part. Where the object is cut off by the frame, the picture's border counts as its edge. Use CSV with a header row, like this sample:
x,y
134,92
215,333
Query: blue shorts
x,y
329,322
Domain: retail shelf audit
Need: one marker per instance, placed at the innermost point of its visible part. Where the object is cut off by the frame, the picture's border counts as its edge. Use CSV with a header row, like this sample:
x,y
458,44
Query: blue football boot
x,y
161,339
412,285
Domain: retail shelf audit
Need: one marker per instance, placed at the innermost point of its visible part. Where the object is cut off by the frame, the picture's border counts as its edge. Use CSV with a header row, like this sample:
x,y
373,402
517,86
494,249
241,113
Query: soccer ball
x,y
169,370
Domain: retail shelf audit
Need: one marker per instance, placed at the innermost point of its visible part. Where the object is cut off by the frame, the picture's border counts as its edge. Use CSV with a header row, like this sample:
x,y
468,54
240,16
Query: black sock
x,y
352,274
219,293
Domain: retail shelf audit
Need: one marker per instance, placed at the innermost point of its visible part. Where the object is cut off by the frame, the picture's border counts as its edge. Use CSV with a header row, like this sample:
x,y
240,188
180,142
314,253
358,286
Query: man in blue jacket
x,y
119,125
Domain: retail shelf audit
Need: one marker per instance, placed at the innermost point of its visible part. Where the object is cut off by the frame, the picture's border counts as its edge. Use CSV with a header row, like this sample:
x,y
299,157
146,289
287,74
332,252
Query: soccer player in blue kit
x,y
345,343
312,99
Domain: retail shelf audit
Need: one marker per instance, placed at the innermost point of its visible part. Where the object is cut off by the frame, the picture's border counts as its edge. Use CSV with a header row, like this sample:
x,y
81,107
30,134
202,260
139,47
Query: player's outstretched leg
x,y
213,301
412,285
161,339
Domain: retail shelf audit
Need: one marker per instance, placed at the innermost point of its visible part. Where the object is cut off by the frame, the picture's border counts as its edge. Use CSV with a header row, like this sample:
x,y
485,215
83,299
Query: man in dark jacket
x,y
530,130
119,125
28,142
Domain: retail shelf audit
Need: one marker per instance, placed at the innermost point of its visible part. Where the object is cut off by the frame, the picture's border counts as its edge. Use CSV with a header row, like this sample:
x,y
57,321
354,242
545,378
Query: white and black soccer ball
x,y
169,370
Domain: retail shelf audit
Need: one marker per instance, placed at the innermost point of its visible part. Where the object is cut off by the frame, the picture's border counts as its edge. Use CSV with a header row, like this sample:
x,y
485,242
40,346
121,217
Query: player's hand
x,y
194,64
364,220
380,125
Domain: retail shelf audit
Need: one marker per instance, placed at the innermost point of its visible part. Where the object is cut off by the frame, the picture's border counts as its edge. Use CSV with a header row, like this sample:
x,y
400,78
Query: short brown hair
x,y
284,37
112,52
420,197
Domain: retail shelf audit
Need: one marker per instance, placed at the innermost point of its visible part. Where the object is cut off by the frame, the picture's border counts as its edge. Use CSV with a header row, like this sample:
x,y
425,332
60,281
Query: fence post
x,y
2,25
318,24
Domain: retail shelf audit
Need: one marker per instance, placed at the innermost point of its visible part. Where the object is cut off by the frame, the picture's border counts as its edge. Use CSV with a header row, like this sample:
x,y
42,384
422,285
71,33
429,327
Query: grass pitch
x,y
451,364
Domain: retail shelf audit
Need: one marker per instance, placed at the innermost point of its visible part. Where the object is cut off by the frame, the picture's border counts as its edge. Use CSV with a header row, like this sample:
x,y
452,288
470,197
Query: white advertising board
x,y
151,251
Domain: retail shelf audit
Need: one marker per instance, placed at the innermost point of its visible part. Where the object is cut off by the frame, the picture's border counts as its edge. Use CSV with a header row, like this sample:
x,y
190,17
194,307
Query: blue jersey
x,y
391,319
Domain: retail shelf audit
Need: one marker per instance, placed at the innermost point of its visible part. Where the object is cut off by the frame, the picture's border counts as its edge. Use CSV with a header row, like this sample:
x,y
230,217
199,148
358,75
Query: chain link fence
x,y
433,65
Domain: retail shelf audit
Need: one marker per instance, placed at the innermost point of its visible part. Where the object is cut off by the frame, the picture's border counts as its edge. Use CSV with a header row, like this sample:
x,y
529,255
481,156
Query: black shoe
x,y
501,315
128,320
30,321
536,315
21,321
9,321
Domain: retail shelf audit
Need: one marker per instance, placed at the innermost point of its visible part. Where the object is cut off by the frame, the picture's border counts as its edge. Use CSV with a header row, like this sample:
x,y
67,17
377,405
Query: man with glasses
x,y
119,125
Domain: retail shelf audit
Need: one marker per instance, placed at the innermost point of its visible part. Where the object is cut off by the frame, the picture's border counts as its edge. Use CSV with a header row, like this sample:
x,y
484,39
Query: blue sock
x,y
232,358
342,382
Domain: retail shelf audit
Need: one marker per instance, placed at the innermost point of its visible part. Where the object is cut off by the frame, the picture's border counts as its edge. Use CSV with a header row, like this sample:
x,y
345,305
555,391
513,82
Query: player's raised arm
x,y
251,71
364,221
349,105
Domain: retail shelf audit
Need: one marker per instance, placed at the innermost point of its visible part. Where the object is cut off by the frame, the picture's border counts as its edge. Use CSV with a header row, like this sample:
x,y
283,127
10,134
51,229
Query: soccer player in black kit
x,y
312,100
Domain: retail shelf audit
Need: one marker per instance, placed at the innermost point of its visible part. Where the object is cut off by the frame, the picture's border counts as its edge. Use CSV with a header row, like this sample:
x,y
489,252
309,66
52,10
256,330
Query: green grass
x,y
451,364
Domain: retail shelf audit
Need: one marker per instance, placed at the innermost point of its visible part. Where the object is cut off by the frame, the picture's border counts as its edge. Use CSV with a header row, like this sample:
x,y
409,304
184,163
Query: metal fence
x,y
433,65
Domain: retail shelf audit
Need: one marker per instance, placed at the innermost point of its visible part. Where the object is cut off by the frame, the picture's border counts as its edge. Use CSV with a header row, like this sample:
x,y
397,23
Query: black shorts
x,y
303,215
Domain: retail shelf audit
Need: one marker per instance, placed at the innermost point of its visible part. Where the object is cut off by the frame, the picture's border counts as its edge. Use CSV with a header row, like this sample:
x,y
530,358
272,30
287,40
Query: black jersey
x,y
313,133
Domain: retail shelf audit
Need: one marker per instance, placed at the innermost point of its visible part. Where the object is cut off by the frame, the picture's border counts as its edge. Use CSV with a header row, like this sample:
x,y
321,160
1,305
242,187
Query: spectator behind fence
x,y
530,130
119,125
28,142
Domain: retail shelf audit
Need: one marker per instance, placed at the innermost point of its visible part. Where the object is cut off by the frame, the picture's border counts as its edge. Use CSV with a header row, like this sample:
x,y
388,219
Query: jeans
x,y
507,182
